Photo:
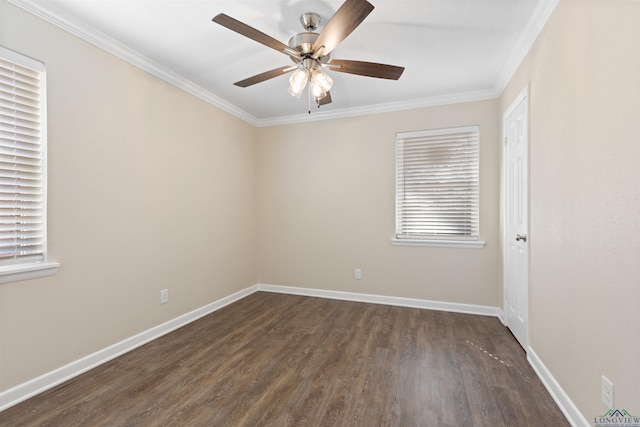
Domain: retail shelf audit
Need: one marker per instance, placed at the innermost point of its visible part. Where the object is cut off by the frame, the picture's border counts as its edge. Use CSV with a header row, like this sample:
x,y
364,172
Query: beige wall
x,y
326,197
149,188
584,75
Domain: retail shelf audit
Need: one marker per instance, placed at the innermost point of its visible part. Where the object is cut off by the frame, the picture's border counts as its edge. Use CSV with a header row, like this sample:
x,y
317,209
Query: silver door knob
x,y
522,237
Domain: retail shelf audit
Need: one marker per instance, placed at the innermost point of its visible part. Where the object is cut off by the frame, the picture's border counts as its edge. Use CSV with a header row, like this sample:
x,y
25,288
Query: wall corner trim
x,y
534,28
566,405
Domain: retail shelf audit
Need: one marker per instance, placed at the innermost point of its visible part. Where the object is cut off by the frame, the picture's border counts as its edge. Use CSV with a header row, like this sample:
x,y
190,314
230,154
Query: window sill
x,y
467,244
19,272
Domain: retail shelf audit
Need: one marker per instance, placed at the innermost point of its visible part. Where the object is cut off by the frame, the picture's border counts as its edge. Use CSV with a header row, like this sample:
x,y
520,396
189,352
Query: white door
x,y
516,254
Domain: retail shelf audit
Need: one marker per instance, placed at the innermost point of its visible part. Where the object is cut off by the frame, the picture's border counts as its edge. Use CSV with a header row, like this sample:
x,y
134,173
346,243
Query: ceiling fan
x,y
311,52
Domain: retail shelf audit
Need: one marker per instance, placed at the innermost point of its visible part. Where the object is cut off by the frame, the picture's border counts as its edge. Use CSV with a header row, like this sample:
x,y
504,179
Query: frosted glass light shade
x,y
298,81
317,91
321,79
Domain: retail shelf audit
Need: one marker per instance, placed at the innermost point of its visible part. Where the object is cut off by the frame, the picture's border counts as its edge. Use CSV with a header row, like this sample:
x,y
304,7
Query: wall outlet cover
x,y
607,392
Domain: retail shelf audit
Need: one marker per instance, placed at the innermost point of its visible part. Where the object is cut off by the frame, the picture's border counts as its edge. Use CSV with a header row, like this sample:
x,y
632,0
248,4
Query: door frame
x,y
522,96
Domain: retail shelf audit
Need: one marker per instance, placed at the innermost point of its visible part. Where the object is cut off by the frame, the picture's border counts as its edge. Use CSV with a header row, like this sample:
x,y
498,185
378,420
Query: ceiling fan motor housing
x,y
303,42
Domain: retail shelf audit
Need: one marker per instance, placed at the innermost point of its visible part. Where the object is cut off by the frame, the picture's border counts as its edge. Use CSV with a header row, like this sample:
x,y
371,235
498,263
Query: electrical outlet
x,y
607,392
358,274
164,296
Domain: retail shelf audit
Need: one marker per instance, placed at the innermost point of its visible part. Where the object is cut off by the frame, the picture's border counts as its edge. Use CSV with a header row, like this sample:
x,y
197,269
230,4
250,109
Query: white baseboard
x,y
566,405
381,299
53,378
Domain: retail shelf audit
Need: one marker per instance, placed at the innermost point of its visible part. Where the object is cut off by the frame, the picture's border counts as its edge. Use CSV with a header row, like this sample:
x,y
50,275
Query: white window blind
x,y
22,162
437,184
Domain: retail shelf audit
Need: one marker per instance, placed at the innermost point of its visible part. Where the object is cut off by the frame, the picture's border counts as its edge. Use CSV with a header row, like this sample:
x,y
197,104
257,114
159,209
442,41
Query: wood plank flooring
x,y
285,360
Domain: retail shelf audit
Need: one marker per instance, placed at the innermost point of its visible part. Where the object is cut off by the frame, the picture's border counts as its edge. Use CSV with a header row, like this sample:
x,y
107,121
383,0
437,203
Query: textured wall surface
x,y
326,206
584,77
149,188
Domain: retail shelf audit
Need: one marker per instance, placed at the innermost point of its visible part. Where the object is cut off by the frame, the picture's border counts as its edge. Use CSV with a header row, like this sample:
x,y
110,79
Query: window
x,y
437,187
23,237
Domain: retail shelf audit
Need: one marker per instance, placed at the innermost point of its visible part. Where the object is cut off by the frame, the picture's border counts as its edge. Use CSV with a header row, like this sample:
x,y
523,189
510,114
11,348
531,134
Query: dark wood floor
x,y
282,360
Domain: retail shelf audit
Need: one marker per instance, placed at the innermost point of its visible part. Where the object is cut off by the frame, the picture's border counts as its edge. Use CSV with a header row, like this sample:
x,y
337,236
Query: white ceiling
x,y
452,50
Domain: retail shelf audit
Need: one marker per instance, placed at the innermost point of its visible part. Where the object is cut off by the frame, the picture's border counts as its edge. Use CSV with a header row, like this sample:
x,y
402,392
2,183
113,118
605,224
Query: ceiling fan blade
x,y
369,69
253,34
324,100
264,76
341,24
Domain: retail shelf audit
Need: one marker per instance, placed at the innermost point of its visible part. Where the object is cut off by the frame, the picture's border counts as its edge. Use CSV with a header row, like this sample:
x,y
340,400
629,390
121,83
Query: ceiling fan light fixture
x,y
298,81
310,51
317,92
321,80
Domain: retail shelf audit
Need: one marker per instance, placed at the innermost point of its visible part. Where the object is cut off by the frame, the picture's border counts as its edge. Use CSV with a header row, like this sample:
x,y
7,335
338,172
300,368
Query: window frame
x,y
460,241
32,268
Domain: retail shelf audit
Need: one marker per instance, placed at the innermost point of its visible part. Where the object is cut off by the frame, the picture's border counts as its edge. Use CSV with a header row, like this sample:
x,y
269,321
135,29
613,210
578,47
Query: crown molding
x,y
535,26
50,14
433,101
